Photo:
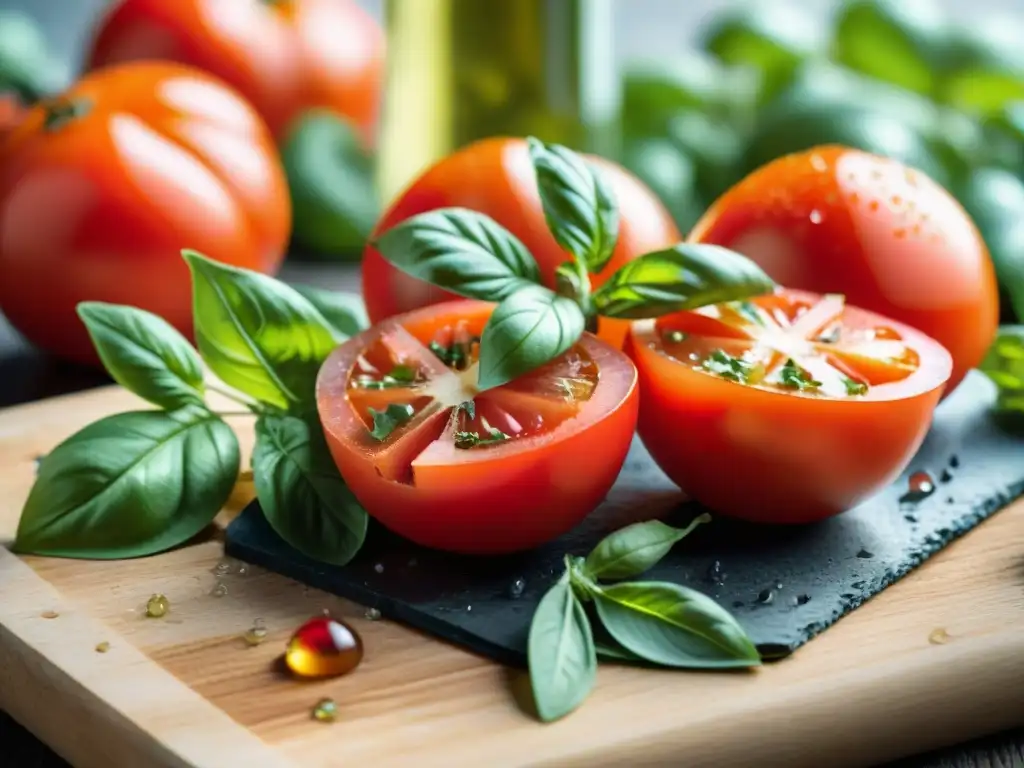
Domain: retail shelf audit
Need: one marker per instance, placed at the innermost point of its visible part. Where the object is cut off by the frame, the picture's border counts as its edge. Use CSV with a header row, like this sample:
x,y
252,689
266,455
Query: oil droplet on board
x,y
516,588
102,647
371,614
157,606
920,487
325,710
49,614
939,636
323,648
256,634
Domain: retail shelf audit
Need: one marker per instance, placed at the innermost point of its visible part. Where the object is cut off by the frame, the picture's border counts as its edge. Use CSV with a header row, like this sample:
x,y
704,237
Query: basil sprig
x,y
469,254
642,622
138,483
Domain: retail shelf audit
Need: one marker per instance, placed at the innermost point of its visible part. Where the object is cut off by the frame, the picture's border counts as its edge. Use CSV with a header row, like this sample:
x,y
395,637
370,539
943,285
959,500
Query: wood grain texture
x,y
871,689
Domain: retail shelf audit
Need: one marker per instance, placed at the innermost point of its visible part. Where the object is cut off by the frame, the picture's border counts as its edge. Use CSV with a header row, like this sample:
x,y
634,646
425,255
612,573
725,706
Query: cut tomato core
x,y
781,342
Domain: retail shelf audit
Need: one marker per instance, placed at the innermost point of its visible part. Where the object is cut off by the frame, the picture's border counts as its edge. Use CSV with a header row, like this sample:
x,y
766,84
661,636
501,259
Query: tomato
x,y
888,237
102,188
285,56
12,112
496,178
785,409
501,476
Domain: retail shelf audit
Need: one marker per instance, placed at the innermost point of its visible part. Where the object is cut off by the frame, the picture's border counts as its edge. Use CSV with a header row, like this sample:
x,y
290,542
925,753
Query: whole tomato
x,y
102,187
496,178
838,220
285,56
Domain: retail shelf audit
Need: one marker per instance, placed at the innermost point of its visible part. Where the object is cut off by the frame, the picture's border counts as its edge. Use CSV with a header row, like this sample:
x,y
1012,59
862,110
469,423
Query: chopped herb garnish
x,y
385,422
727,366
795,377
750,311
456,355
404,374
399,376
854,387
675,336
468,407
472,439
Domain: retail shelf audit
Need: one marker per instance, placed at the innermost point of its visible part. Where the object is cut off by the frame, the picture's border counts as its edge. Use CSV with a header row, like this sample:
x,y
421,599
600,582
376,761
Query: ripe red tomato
x,y
888,237
785,409
501,477
102,188
12,112
285,56
496,178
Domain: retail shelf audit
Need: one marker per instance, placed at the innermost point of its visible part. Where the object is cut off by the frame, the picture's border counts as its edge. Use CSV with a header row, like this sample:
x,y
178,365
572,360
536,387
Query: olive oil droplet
x,y
102,647
157,606
326,711
49,614
256,634
323,647
938,636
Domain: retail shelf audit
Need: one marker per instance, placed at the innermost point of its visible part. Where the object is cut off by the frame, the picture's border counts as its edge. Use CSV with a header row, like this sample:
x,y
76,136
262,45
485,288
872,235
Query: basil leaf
x,y
302,495
686,276
257,334
674,626
145,354
578,203
526,330
1004,365
632,550
344,310
461,251
560,650
130,485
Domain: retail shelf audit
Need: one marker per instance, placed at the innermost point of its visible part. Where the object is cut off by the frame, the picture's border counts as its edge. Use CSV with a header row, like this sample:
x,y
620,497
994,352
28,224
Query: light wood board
x,y
186,690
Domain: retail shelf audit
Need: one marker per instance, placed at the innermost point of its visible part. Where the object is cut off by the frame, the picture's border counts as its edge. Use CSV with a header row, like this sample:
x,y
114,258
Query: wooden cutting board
x,y
186,690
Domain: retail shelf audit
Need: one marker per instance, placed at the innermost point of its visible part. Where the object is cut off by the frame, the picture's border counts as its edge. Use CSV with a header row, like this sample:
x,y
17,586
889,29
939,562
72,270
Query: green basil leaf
x,y
671,625
560,650
331,180
634,549
461,251
578,203
344,310
1004,365
27,65
529,328
302,495
257,334
130,485
145,354
686,276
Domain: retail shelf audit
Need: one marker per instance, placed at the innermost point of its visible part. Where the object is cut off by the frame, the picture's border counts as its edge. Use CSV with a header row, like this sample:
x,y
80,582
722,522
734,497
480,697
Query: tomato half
x,y
101,189
788,408
284,56
496,178
523,464
886,236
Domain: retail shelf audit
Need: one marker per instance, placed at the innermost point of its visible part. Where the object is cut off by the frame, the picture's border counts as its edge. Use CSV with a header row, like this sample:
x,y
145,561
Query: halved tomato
x,y
452,468
788,408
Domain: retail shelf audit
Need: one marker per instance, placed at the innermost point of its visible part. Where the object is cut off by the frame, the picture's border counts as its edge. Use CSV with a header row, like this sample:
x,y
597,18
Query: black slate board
x,y
825,570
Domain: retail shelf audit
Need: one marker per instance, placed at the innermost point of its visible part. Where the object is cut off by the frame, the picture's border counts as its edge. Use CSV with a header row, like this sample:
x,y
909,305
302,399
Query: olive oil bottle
x,y
462,70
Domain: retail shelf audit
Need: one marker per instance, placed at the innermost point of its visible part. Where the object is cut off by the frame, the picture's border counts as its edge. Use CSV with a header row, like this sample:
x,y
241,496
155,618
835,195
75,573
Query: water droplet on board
x,y
516,588
865,555
102,647
715,574
323,648
157,606
49,614
379,568
778,585
256,634
801,599
939,636
945,476
371,614
325,711
920,486
954,461
765,596
219,590
222,568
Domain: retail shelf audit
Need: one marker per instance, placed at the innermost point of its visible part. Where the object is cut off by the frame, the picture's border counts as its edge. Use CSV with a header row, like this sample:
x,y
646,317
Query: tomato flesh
x,y
468,471
788,408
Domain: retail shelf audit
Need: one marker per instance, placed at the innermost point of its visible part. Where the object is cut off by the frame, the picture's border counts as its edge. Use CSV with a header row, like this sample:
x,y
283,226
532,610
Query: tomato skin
x,y
888,237
496,500
496,178
781,458
100,207
285,56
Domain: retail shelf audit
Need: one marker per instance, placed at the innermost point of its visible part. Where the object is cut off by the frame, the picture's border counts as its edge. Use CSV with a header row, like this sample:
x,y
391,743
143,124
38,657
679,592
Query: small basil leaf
x,y
257,334
578,203
130,485
674,626
529,328
560,650
345,311
634,549
686,276
144,354
302,495
461,251
1004,365
391,418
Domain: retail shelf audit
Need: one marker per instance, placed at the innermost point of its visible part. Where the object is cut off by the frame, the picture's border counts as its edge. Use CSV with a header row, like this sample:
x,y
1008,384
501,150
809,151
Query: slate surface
x,y
785,584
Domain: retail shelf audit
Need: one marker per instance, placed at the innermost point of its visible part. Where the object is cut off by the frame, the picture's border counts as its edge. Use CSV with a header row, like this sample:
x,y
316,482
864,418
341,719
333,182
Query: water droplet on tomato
x,y
816,217
323,647
765,596
516,589
920,487
864,554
